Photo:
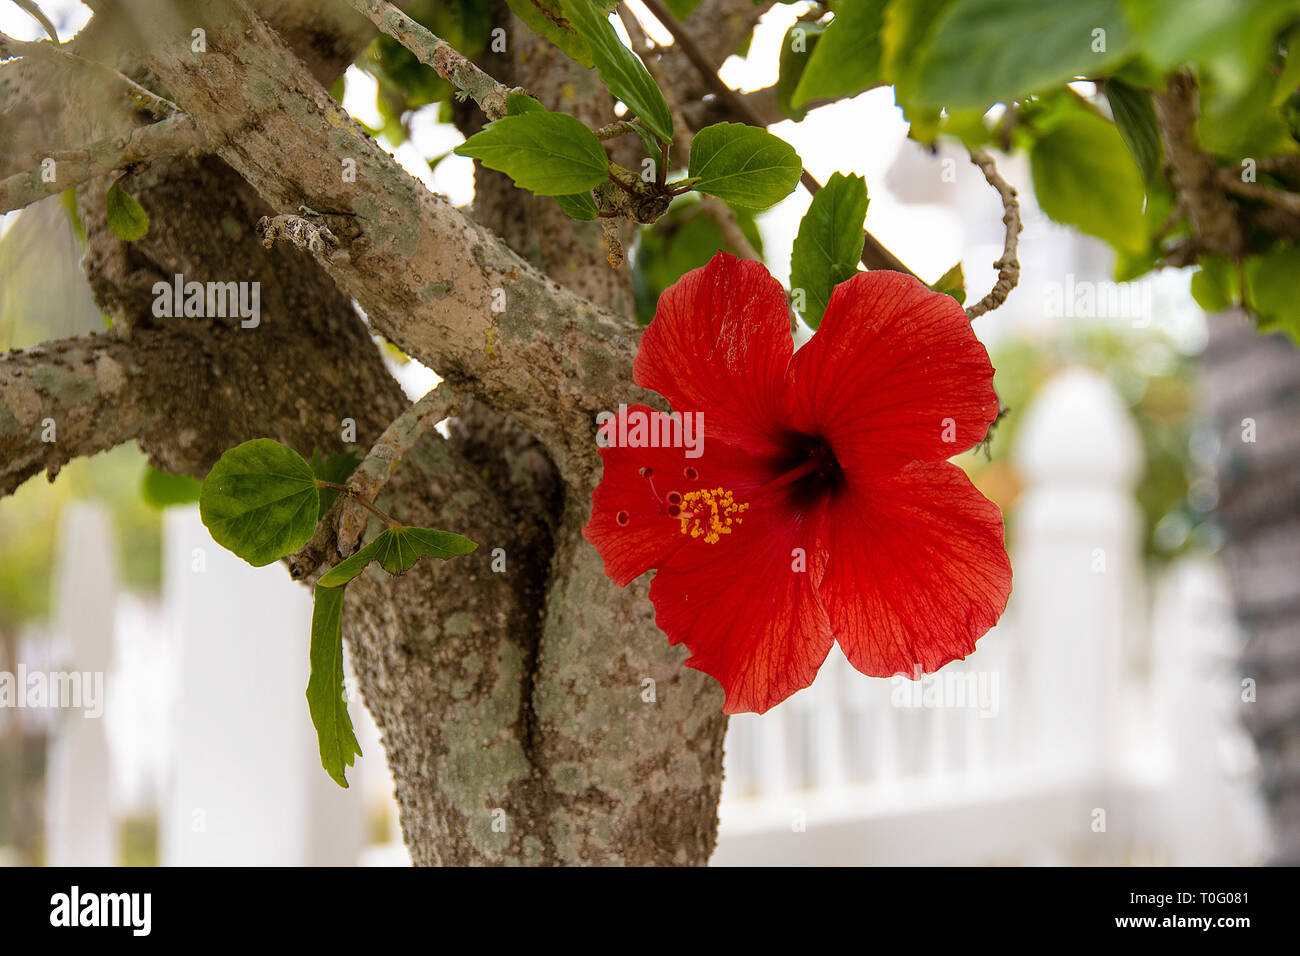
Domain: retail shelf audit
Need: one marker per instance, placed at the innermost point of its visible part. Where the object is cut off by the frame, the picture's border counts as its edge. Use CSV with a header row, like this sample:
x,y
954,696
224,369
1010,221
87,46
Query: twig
x,y
732,234
1008,266
436,52
344,489
1260,192
378,466
176,134
1195,173
874,253
615,129
145,99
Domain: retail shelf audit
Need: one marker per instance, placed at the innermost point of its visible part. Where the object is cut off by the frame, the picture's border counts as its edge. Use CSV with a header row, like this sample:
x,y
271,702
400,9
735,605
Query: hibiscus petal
x,y
749,618
893,374
916,569
720,342
649,538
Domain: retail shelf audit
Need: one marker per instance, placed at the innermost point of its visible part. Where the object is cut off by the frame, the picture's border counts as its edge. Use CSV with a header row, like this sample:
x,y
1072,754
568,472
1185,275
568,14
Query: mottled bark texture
x,y
1252,385
530,711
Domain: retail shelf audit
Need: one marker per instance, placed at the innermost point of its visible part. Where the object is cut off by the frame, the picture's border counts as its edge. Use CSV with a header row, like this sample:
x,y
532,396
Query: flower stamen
x,y
710,513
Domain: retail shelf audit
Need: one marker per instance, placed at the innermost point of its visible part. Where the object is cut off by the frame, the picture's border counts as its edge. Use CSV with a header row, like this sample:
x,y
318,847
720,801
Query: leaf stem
x,y
355,496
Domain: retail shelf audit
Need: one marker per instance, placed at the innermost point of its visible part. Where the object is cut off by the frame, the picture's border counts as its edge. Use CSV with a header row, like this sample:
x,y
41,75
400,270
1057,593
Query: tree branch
x,y
874,253
433,282
171,136
1008,266
1196,175
62,400
436,52
1260,192
385,455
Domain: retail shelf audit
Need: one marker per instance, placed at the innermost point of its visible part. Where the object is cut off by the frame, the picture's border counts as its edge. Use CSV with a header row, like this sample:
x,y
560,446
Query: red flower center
x,y
810,473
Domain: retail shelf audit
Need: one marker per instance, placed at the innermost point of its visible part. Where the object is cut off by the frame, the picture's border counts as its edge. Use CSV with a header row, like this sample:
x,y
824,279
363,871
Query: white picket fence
x,y
1097,725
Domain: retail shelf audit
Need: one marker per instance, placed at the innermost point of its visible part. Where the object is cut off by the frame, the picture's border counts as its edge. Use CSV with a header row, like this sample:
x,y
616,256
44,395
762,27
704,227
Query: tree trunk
x,y
1252,385
530,710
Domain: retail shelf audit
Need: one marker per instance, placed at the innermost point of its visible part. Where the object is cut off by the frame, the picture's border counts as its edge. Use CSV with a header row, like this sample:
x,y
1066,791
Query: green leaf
x,y
579,206
1135,118
1289,80
847,58
1084,177
260,501
337,468
550,154
1231,39
350,567
546,18
620,68
829,244
1214,284
396,550
1273,289
162,488
953,283
744,165
326,692
988,51
126,217
517,103
796,49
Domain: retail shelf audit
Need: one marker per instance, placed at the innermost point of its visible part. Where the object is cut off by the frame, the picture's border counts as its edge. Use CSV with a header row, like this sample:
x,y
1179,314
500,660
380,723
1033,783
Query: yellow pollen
x,y
710,513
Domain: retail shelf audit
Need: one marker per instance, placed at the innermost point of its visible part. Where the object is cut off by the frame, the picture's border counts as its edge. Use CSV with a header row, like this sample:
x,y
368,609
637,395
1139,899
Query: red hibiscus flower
x,y
820,507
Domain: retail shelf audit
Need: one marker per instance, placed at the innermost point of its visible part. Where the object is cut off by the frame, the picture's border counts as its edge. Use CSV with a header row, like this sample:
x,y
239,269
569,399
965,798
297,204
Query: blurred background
x,y
1114,715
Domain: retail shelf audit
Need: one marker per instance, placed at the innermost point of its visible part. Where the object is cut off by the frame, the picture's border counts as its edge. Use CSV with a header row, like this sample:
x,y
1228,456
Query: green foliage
x,y
828,248
259,501
1085,177
796,50
744,165
396,550
406,84
620,68
953,283
1229,39
846,59
550,154
326,692
546,18
1214,284
989,51
337,468
126,217
1273,289
1135,118
579,206
162,488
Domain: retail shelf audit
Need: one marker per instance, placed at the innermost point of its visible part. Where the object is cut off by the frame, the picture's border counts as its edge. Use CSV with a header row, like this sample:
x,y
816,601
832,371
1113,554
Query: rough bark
x,y
540,696
1252,385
